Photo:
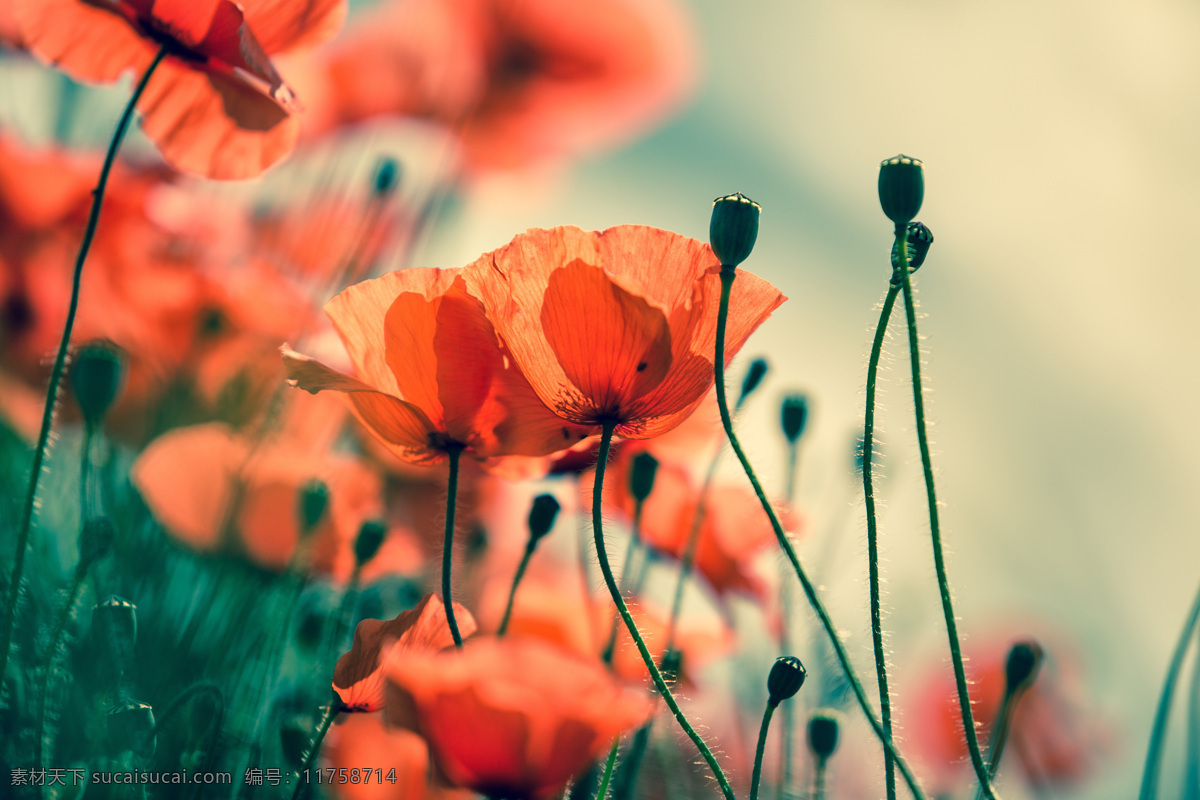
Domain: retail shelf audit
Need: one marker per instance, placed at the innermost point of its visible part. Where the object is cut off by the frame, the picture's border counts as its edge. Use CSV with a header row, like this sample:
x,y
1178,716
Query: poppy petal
x,y
87,42
294,24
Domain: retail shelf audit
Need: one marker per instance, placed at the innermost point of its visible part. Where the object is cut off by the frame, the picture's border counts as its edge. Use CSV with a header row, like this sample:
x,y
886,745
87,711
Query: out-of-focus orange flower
x,y
10,31
216,106
431,372
1056,740
513,717
519,80
358,675
616,325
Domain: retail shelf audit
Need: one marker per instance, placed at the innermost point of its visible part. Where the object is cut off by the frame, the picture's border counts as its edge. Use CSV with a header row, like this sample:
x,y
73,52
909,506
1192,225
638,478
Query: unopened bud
x,y
95,539
785,679
1021,669
733,228
794,416
370,539
823,732
901,188
672,663
387,175
542,516
314,502
96,378
114,629
295,733
131,727
641,476
918,238
754,375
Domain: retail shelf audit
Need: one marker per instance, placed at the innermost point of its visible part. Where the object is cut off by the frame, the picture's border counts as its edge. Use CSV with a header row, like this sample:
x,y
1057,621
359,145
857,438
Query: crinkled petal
x,y
88,43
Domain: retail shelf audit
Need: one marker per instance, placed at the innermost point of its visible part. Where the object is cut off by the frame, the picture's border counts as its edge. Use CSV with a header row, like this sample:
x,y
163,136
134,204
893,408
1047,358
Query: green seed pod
x,y
901,188
733,228
794,416
641,476
114,630
387,175
754,376
314,502
370,539
785,679
96,377
541,517
1021,668
823,732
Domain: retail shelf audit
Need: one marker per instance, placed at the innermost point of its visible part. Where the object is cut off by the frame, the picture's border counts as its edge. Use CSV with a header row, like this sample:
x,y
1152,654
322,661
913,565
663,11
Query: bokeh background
x,y
1059,300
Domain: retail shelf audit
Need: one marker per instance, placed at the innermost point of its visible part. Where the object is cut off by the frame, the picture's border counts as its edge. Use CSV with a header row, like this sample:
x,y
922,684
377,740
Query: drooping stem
x,y
602,791
756,776
1158,733
939,562
810,591
614,590
448,550
60,627
512,593
60,360
315,746
885,702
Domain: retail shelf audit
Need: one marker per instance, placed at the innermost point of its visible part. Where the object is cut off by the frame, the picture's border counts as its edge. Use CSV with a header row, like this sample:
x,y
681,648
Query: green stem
x,y
315,746
626,778
602,791
758,752
614,590
788,740
454,452
60,627
610,648
688,560
939,563
810,591
512,593
819,780
60,360
885,702
1191,774
1158,733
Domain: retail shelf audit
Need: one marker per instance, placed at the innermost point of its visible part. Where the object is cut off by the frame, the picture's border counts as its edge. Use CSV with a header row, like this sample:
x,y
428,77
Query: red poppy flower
x,y
215,106
358,675
616,325
520,80
513,718
431,373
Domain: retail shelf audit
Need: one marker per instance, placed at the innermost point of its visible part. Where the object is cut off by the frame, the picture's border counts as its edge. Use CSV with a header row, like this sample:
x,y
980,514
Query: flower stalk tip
x,y
733,229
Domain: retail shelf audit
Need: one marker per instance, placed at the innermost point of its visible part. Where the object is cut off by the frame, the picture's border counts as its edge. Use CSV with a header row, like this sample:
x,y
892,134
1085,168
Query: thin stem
x,y
939,562
787,743
885,702
810,591
454,452
614,590
1158,733
1001,730
758,752
512,593
60,627
610,648
1191,775
688,560
602,792
60,360
85,463
819,780
626,778
314,747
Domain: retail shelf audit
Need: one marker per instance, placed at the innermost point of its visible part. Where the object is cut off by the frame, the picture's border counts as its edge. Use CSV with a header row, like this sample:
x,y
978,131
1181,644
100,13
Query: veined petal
x,y
294,24
88,43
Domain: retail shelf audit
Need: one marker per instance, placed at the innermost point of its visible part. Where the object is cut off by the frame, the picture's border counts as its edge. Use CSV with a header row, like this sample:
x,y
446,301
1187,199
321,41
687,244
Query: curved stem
x,y
610,648
60,627
688,560
602,791
939,562
1158,733
1191,773
614,590
448,550
885,702
60,360
315,747
512,593
756,776
810,591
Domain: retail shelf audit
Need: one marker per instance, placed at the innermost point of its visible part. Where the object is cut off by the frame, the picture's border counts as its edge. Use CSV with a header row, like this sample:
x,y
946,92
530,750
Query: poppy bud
x,y
96,378
131,727
823,732
733,228
754,376
541,517
901,188
795,416
387,175
114,629
1021,669
641,477
918,238
294,735
95,539
785,679
370,539
314,500
672,662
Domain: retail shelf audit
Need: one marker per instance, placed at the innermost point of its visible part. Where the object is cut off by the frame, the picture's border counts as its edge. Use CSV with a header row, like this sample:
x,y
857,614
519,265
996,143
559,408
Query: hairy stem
x,y
756,776
448,550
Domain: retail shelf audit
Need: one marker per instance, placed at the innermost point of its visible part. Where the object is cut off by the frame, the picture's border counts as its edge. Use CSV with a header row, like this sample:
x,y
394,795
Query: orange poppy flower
x,y
358,675
520,80
513,718
216,106
431,373
616,325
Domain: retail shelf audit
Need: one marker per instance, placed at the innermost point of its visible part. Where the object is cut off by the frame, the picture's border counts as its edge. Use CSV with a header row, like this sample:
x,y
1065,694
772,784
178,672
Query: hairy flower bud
x,y
823,732
794,416
1021,669
370,539
754,376
733,228
901,188
641,477
387,175
314,502
96,377
785,679
541,517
